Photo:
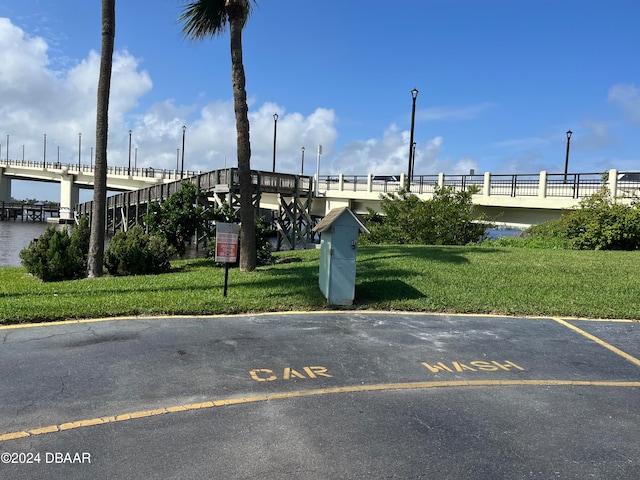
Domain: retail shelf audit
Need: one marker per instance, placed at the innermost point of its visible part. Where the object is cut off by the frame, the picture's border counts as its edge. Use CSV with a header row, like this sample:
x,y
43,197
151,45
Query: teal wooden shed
x,y
339,232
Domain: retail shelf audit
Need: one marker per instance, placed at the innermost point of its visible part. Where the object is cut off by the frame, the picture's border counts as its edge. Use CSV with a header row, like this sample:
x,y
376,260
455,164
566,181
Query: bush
x,y
263,244
137,253
57,255
597,224
601,224
177,218
446,219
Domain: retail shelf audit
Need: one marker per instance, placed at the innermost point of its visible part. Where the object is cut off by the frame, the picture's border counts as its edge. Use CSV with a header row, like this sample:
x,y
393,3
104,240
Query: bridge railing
x,y
574,185
264,181
514,185
148,172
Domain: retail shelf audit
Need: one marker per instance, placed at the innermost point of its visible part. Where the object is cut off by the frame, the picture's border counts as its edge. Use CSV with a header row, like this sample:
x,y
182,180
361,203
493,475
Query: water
x,y
494,233
14,236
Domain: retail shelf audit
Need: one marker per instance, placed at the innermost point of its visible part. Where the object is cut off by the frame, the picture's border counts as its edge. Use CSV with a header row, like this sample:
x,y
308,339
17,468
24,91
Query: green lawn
x,y
474,279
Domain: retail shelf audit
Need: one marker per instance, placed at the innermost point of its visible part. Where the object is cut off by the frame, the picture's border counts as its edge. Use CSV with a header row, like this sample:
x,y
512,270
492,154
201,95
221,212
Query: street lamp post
x,y
135,159
413,159
79,149
566,160
184,131
129,170
414,96
275,129
318,170
44,153
177,160
7,148
302,163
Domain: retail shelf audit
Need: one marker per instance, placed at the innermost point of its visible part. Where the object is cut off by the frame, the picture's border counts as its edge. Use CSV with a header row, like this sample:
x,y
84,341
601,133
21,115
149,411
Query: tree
x,y
96,241
208,18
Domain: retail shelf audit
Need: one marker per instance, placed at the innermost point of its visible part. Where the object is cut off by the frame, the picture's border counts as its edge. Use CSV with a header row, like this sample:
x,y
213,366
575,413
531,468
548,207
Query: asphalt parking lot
x,y
321,395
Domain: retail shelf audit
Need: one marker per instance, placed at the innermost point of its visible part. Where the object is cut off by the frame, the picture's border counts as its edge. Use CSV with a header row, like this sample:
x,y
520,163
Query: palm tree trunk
x,y
96,240
235,11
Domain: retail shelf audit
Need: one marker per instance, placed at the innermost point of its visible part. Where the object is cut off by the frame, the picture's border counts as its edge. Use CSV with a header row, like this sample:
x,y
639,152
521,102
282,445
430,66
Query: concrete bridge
x,y
517,200
73,177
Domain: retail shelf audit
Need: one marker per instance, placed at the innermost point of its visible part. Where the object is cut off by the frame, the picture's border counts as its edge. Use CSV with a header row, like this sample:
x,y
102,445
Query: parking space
x,y
108,382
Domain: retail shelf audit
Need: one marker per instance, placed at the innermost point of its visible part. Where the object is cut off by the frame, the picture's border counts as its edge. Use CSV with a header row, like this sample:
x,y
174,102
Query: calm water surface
x,y
14,236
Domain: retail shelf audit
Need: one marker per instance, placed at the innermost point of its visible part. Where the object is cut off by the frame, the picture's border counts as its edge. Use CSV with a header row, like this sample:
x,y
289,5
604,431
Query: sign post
x,y
226,247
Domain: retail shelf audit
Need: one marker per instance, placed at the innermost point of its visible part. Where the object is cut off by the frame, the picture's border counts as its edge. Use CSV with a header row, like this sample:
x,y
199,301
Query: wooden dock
x,y
29,212
288,198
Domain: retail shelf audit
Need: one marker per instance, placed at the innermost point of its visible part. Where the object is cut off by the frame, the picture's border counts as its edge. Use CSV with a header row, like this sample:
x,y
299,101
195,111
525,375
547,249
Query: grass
x,y
472,279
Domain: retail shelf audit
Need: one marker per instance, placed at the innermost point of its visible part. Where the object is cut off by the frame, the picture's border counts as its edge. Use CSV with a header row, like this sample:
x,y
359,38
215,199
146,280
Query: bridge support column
x,y
69,195
5,187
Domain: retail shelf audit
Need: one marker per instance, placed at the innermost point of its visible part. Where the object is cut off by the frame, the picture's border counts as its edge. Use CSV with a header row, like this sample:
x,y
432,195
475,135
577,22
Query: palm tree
x,y
208,18
96,239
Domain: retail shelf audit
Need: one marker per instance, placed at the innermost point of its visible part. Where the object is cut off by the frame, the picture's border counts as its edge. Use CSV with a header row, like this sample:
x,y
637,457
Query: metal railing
x,y
263,181
148,172
574,185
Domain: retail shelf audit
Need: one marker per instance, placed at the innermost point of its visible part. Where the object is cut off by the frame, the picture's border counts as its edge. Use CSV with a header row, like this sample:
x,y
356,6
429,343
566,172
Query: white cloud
x,y
38,100
468,112
626,97
390,155
595,136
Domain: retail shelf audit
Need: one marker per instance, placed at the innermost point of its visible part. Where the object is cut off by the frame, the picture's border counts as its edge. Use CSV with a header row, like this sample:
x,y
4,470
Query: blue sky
x,y
500,83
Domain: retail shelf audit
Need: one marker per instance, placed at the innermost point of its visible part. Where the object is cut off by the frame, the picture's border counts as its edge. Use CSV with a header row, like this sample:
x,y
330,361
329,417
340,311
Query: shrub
x,y
598,223
601,224
446,219
178,218
263,244
137,253
57,255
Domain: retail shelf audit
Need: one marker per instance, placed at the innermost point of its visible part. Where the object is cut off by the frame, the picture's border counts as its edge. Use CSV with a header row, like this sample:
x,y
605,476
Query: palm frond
x,y
207,18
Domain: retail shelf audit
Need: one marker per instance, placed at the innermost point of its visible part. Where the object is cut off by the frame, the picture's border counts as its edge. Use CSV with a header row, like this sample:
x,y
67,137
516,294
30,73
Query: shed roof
x,y
333,215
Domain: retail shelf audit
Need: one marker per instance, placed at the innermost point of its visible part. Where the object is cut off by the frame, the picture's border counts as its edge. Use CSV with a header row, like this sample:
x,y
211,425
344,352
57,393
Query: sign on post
x,y
226,247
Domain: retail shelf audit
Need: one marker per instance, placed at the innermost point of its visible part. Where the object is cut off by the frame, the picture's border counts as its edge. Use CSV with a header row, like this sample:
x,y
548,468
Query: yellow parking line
x,y
600,342
306,393
290,313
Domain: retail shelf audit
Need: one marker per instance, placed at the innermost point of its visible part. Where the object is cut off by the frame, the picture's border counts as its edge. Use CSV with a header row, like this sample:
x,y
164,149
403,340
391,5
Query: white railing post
x,y
370,183
341,182
486,187
613,182
542,186
441,180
